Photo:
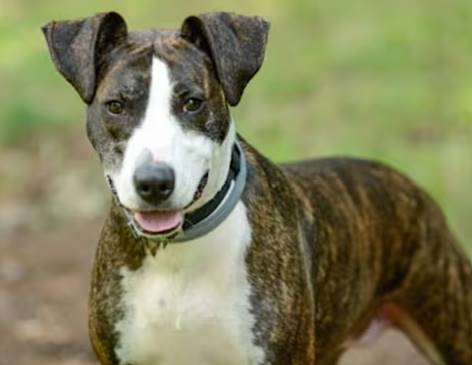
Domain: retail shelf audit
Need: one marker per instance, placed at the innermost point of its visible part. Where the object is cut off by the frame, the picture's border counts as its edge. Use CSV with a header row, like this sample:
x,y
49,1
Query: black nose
x,y
154,181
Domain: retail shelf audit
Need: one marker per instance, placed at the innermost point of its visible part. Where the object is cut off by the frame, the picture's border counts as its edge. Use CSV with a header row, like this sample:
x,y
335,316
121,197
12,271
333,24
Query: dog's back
x,y
374,226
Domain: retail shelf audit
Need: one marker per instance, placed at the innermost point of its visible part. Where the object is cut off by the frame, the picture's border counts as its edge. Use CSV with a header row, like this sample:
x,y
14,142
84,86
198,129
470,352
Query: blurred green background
x,y
389,80
382,79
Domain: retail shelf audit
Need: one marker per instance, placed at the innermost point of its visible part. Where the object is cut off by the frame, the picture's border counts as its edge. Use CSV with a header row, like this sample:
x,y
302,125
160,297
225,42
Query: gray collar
x,y
206,218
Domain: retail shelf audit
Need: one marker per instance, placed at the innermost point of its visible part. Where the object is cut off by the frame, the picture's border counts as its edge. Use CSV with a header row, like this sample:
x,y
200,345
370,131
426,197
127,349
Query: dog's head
x,y
157,104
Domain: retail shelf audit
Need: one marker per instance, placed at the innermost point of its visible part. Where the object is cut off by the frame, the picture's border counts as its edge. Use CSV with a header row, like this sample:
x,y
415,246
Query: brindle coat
x,y
335,242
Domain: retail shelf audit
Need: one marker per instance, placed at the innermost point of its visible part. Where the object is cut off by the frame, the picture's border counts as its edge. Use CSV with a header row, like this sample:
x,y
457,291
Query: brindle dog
x,y
311,254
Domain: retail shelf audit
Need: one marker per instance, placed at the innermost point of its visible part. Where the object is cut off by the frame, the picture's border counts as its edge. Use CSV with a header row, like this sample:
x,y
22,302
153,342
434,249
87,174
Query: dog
x,y
211,254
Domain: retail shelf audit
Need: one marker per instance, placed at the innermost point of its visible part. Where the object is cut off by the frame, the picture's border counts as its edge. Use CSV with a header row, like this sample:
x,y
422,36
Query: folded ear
x,y
77,46
235,43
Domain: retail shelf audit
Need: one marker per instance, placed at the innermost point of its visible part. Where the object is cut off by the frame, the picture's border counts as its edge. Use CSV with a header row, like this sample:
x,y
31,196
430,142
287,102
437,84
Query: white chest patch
x,y
190,303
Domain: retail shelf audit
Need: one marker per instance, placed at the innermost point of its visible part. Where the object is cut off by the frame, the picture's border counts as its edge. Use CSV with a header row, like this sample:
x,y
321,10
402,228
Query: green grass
x,y
379,79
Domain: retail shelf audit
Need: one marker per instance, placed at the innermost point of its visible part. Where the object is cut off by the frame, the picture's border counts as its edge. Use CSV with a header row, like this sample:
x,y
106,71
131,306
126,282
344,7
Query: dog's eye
x,y
115,107
192,105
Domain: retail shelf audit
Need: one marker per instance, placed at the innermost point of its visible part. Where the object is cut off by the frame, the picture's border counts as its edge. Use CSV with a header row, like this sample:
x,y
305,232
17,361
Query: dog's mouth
x,y
159,223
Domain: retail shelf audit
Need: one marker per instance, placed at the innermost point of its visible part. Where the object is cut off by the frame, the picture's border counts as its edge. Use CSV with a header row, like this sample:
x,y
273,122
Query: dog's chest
x,y
190,303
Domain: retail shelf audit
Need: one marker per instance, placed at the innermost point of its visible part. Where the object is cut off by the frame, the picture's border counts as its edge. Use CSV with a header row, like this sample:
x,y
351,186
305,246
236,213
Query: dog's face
x,y
160,123
157,105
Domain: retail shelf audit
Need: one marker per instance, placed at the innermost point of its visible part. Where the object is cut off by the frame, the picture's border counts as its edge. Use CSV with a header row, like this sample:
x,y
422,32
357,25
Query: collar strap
x,y
209,216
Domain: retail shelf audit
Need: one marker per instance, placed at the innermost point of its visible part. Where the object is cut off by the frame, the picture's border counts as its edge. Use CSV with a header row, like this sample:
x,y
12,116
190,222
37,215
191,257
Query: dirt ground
x,y
52,204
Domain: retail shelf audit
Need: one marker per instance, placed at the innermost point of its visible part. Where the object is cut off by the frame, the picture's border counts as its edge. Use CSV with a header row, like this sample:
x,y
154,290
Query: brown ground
x,y
52,203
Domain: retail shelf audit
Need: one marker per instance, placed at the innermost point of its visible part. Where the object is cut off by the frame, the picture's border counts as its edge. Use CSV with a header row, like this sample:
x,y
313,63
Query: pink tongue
x,y
158,221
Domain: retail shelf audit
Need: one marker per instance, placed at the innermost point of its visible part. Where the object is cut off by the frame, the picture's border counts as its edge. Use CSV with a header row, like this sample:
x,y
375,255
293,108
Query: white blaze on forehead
x,y
191,154
159,126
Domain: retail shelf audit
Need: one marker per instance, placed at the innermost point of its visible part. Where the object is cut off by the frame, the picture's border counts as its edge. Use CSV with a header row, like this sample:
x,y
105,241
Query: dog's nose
x,y
154,182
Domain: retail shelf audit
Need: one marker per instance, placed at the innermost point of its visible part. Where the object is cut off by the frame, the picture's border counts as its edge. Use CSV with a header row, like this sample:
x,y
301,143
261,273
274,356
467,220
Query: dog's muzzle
x,y
203,220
